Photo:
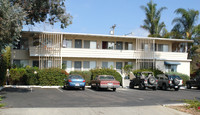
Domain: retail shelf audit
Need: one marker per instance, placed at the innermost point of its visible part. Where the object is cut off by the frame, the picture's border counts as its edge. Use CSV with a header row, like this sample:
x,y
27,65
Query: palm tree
x,y
152,21
185,25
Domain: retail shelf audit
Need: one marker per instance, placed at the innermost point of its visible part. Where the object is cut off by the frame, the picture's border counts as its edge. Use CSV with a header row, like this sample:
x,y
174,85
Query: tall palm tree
x,y
152,21
185,25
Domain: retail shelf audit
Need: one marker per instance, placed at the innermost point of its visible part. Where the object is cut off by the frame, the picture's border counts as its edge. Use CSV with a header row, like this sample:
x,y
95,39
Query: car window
x,y
75,77
174,76
106,77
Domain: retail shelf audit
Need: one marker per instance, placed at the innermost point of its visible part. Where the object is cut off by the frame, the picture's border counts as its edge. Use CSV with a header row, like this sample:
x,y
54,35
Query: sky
x,y
97,16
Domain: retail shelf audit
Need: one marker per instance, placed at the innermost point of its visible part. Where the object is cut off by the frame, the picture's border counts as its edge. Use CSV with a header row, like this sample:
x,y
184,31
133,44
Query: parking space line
x,y
59,90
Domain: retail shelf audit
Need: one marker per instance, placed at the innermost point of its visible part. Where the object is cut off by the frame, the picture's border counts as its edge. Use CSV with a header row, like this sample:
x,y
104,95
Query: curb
x,y
176,104
34,86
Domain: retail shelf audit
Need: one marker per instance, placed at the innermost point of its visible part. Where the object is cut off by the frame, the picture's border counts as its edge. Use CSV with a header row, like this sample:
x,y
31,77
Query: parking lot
x,y
41,97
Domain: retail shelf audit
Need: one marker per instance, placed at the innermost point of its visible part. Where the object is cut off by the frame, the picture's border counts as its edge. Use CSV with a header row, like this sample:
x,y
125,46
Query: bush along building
x,y
82,52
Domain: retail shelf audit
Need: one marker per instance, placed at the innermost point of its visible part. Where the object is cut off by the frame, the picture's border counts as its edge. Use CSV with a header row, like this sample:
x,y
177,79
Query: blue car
x,y
74,81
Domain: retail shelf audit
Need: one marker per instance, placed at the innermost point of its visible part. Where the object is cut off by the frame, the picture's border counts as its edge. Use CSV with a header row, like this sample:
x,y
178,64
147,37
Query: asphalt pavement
x,y
41,97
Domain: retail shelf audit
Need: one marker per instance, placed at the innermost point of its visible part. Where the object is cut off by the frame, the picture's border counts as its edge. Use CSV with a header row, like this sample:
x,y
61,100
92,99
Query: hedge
x,y
31,77
155,71
106,71
52,76
85,74
183,76
17,76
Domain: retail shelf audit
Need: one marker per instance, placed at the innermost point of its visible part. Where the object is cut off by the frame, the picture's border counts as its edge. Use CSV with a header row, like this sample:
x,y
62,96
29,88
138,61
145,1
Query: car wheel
x,y
176,89
189,86
154,88
131,85
141,86
83,88
164,87
64,87
114,89
97,87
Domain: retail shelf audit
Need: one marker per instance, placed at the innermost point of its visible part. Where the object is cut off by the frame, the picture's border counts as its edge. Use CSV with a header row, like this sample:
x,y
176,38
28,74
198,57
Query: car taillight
x,y
70,80
156,80
169,81
182,81
83,80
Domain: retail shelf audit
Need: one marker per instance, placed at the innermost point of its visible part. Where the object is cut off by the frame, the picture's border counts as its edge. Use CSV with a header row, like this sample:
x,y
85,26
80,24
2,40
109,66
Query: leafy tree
x,y
152,22
45,10
7,56
185,25
11,21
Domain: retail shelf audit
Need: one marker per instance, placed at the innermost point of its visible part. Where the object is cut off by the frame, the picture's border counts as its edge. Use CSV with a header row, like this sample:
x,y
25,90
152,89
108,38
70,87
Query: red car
x,y
105,81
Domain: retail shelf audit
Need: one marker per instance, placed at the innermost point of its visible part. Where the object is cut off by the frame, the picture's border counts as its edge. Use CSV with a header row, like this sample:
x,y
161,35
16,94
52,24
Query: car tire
x,y
114,89
141,86
154,88
189,86
131,86
64,87
97,87
164,87
83,88
176,89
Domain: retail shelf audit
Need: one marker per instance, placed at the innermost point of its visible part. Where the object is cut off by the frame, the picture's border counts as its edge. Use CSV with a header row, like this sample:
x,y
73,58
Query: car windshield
x,y
106,77
75,77
147,74
174,76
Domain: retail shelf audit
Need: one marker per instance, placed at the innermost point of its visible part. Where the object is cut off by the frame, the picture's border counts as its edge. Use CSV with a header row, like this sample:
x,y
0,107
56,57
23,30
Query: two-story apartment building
x,y
87,51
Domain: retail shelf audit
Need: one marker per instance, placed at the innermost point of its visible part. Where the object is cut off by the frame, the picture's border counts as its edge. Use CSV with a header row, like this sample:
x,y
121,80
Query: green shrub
x,y
1,104
51,76
155,71
192,103
17,76
106,71
31,77
183,76
2,70
85,74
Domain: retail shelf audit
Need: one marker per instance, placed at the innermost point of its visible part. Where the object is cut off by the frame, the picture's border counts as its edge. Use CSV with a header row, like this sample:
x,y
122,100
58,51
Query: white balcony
x,y
104,53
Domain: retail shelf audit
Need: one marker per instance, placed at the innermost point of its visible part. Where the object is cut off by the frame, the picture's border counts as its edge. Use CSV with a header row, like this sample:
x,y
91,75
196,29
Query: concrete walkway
x,y
136,110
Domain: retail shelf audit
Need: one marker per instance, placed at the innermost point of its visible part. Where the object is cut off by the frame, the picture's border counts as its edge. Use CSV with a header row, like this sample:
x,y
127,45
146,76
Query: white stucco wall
x,y
184,66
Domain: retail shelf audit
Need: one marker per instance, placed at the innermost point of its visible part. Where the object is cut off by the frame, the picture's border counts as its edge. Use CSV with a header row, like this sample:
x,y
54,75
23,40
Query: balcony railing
x,y
105,53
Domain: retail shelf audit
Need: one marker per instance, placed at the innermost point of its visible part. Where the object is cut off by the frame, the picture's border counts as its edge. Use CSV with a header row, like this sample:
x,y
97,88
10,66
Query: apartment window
x,y
78,43
107,64
163,47
145,46
92,64
90,44
119,66
128,46
119,45
146,65
67,43
153,46
171,68
68,65
20,63
108,45
77,65
86,64
22,44
49,64
35,63
36,42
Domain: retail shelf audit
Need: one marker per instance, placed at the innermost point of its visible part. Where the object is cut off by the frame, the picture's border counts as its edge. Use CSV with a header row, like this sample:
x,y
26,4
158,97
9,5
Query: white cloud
x,y
140,32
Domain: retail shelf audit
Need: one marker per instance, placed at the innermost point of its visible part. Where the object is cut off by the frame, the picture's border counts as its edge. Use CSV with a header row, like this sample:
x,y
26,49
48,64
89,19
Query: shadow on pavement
x,y
18,90
102,90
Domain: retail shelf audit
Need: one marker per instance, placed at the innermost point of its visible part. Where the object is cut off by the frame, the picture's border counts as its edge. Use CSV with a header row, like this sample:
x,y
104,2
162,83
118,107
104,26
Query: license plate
x,y
77,84
176,86
110,83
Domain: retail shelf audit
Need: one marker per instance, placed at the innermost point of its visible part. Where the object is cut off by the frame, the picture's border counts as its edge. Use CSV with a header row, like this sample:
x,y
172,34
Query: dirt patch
x,y
186,110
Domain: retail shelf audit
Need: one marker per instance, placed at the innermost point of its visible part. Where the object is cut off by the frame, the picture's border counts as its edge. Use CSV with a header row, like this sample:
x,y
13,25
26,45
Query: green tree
x,y
45,10
185,24
152,22
7,54
11,21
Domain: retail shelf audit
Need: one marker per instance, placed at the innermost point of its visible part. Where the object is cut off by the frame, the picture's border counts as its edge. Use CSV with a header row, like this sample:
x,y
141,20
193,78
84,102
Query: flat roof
x,y
112,36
